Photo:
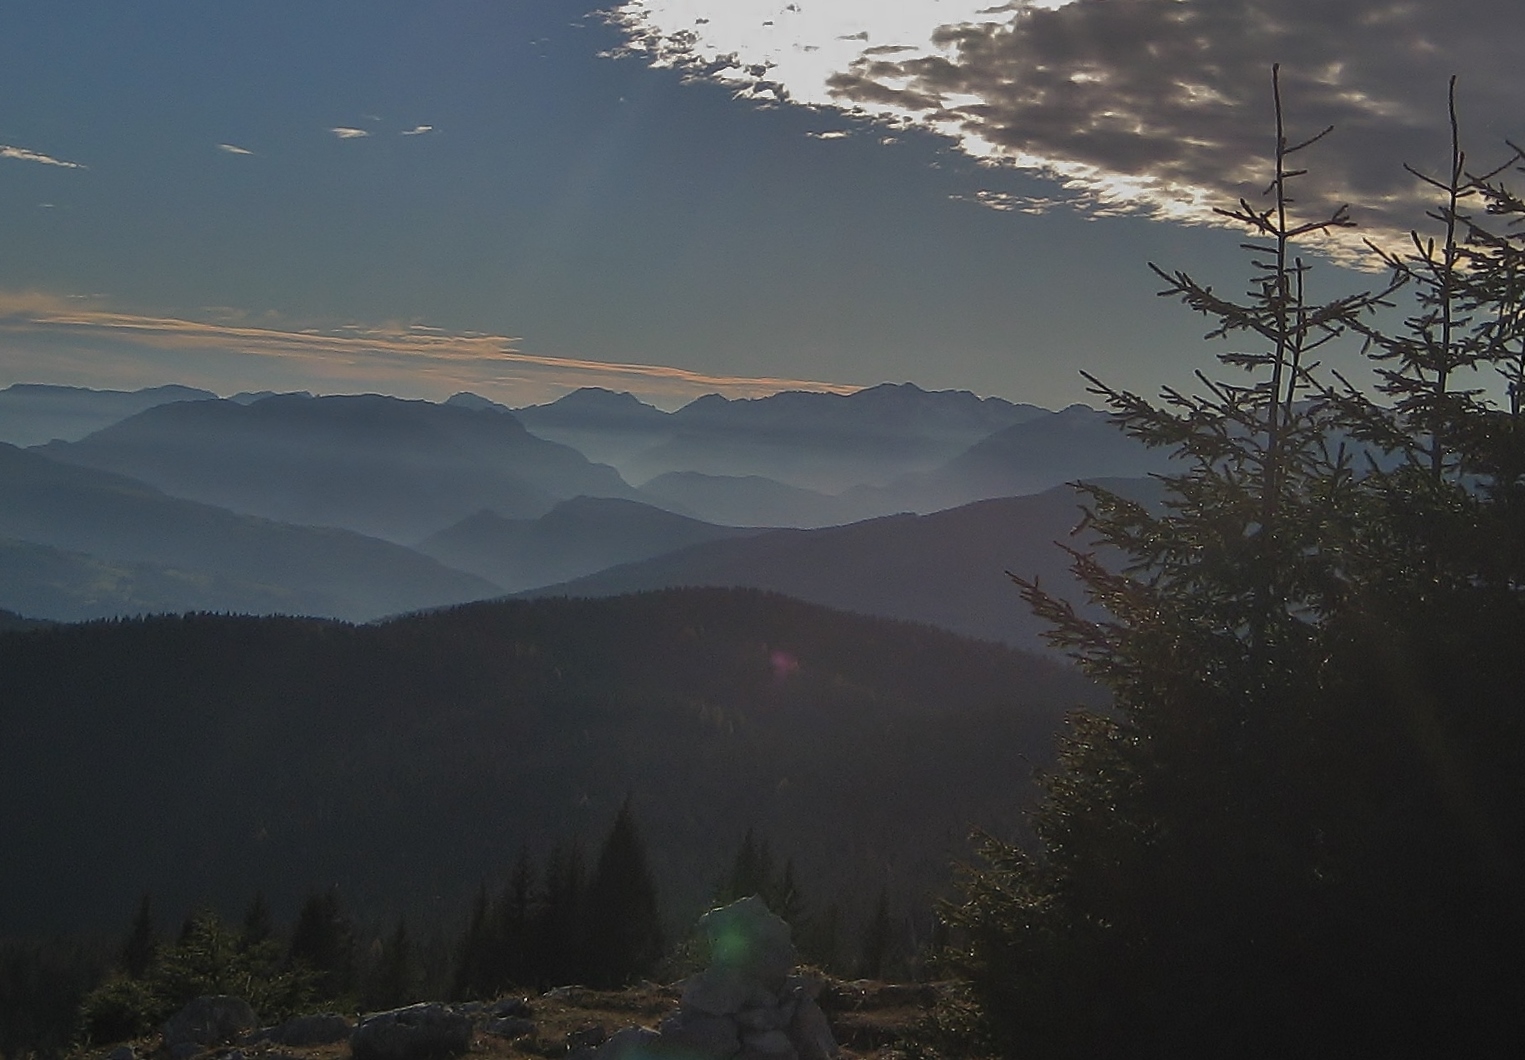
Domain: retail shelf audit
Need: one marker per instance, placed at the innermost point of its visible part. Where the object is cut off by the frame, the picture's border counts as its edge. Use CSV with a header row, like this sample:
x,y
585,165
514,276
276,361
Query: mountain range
x,y
362,506
381,466
33,413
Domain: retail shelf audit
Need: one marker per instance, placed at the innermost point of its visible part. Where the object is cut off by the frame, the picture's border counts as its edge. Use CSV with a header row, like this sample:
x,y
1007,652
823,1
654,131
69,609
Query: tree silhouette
x,y
624,928
1298,830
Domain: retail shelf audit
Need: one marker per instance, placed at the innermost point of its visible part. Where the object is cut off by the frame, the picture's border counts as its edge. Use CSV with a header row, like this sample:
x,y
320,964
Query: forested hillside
x,y
206,757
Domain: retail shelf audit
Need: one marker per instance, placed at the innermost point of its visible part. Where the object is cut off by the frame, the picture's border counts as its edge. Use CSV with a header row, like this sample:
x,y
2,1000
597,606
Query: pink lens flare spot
x,y
784,665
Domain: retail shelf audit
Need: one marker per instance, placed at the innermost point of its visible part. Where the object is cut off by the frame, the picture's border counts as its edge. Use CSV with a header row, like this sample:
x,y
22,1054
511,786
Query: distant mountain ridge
x,y
95,543
946,569
385,467
34,413
575,538
818,441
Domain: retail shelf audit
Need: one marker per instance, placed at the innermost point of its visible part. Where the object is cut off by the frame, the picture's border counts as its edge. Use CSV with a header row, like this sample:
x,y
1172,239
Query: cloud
x,y
417,130
234,149
403,358
21,154
829,134
1152,107
345,132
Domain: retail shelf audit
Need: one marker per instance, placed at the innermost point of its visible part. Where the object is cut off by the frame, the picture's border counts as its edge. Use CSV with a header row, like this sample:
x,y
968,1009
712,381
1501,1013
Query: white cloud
x,y
234,149
21,154
830,134
418,130
345,132
1152,107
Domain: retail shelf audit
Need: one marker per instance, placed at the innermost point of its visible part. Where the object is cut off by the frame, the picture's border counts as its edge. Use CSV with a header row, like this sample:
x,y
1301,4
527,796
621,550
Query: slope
x,y
577,537
199,758
146,551
946,569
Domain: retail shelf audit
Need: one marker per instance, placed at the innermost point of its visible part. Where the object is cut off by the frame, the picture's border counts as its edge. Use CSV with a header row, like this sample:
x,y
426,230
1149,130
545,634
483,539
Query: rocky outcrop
x,y
418,1032
744,1005
320,1028
209,1020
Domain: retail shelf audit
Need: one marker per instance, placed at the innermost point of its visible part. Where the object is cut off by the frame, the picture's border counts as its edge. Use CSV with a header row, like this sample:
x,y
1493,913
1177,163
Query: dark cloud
x,y
1164,106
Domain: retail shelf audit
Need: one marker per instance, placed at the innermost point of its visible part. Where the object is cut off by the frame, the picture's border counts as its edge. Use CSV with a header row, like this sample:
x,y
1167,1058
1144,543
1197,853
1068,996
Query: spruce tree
x,y
323,942
1298,829
624,926
142,941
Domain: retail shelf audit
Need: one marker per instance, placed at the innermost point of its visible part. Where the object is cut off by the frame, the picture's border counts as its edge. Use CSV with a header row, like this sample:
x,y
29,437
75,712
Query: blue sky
x,y
545,197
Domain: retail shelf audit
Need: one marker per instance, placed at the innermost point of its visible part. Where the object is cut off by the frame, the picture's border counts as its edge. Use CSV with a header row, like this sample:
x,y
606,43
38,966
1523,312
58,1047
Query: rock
x,y
810,1033
509,1027
632,1043
771,1018
512,1006
593,1034
746,937
773,1043
804,986
699,1035
717,991
209,1021
323,1028
418,1032
121,1052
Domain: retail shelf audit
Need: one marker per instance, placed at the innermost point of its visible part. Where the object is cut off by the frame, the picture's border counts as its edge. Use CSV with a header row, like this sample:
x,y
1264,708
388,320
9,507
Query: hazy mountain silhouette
x,y
946,569
198,548
33,413
75,587
575,538
1076,443
823,442
382,466
602,425
203,758
748,500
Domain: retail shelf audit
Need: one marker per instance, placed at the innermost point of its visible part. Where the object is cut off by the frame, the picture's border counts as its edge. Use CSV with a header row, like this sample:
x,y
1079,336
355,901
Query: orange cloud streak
x,y
430,357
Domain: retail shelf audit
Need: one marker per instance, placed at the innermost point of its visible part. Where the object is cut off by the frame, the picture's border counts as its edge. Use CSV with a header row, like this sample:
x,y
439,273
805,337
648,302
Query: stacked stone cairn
x,y
745,1006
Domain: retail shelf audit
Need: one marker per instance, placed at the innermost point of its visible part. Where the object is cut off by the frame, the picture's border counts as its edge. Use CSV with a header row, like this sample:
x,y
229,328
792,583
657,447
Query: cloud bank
x,y
1159,108
411,360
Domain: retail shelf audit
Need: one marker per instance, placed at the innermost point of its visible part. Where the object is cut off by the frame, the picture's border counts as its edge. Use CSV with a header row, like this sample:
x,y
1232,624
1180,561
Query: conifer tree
x,y
1298,830
624,925
323,941
394,979
258,926
557,936
142,941
878,936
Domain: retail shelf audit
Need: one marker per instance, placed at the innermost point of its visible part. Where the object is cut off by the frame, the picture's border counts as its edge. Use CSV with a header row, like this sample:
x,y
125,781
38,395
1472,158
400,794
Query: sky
x,y
676,197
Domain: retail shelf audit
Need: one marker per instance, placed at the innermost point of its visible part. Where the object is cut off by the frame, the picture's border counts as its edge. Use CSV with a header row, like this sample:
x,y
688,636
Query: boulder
x,y
810,1033
749,939
322,1028
700,1035
771,1043
209,1021
427,1031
